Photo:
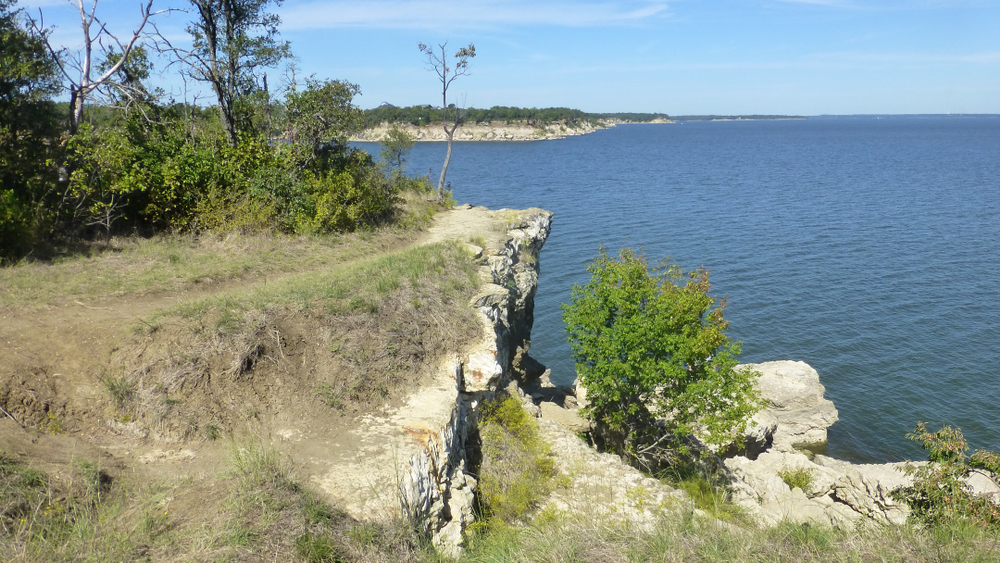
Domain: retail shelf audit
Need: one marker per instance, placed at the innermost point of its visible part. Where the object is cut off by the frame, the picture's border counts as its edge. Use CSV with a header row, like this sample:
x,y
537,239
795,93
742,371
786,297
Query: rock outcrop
x,y
796,412
796,416
413,460
494,131
602,485
434,487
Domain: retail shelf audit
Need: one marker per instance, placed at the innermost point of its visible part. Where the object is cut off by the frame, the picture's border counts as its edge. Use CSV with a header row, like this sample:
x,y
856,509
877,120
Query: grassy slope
x,y
258,509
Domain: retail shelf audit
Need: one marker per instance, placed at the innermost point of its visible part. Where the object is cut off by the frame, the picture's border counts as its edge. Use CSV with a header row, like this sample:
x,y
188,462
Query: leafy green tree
x,y
233,40
650,349
438,61
28,131
395,146
321,118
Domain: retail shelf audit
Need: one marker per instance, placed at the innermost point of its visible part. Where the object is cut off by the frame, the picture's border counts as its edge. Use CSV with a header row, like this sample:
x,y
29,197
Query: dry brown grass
x,y
362,334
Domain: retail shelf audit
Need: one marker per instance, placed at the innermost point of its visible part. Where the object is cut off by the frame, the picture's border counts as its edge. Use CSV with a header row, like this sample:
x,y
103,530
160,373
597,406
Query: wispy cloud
x,y
435,14
832,3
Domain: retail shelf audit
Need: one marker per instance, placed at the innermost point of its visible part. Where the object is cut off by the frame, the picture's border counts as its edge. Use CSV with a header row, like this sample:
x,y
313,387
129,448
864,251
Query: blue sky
x,y
804,57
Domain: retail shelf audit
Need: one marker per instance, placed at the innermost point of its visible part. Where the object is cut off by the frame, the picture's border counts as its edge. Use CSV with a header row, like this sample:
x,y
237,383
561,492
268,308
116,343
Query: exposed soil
x,y
190,391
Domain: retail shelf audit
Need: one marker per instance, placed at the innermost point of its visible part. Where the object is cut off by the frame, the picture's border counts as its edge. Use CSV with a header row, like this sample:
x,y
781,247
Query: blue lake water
x,y
869,248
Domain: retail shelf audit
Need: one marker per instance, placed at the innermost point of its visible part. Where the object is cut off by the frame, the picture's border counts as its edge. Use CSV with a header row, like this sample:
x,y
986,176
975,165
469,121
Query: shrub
x,y
651,350
516,468
797,478
939,494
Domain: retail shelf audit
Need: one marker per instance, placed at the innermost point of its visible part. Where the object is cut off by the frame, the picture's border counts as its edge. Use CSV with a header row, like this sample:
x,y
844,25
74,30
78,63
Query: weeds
x,y
799,478
317,549
706,489
121,389
83,516
213,431
516,469
329,395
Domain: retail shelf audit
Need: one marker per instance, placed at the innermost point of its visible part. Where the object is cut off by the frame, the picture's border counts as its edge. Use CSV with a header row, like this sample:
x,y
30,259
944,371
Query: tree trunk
x,y
447,158
75,110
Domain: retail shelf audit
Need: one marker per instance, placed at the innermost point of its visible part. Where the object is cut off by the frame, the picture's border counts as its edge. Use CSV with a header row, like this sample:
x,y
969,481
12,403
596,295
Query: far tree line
x,y
421,115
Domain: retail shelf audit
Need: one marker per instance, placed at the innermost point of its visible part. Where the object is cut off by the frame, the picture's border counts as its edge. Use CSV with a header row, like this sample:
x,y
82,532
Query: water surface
x,y
865,247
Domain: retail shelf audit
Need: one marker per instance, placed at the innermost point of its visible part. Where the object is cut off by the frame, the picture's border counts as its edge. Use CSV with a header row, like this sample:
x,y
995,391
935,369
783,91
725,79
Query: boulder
x,y
794,406
867,488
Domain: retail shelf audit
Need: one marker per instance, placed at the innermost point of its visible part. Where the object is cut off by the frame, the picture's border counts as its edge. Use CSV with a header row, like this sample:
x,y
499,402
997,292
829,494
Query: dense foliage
x,y
28,131
137,163
651,350
426,115
939,494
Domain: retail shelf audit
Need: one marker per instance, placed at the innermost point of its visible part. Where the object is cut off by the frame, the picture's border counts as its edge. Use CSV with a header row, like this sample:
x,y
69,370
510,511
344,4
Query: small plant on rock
x,y
799,478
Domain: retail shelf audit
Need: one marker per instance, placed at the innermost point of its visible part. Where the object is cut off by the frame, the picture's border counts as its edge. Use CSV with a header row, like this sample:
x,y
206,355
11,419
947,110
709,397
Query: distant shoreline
x,y
678,118
491,132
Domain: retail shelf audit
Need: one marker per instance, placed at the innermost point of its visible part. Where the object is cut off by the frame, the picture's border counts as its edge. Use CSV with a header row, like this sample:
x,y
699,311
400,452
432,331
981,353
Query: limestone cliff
x,y
413,460
493,131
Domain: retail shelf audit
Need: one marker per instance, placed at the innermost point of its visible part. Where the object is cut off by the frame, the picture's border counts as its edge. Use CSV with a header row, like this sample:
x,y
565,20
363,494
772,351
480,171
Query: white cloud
x,y
435,14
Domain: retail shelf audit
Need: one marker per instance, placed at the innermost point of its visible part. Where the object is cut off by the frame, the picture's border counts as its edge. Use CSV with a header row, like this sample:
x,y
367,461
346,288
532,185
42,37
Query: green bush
x,y
797,478
938,494
16,227
516,468
651,350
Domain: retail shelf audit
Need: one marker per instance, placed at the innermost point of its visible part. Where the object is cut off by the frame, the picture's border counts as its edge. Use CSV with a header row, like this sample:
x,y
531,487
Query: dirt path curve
x,y
52,357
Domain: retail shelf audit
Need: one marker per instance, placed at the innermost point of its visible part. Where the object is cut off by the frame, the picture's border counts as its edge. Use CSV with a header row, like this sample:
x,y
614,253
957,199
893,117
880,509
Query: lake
x,y
867,247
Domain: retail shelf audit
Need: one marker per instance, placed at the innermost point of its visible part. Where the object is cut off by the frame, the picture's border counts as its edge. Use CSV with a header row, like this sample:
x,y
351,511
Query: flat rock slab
x,y
602,484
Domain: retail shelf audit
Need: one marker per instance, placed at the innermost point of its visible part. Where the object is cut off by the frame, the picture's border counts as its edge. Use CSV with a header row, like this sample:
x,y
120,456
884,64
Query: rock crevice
x,y
435,488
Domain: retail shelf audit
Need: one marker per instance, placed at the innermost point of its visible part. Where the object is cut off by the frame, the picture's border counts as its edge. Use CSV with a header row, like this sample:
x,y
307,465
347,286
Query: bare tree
x,y
83,85
438,61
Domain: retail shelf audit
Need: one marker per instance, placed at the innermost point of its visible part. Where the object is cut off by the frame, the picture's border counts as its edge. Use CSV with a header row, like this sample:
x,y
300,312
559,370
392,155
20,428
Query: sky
x,y
681,57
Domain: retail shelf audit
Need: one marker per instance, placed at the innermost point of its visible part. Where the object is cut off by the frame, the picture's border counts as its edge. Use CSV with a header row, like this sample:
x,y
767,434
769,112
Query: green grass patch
x,y
516,469
357,287
138,266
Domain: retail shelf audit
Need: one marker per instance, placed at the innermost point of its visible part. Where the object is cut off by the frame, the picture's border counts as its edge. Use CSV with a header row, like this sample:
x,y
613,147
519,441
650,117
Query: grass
x,y
82,516
356,287
268,508
370,327
516,470
329,395
138,266
582,538
797,478
268,515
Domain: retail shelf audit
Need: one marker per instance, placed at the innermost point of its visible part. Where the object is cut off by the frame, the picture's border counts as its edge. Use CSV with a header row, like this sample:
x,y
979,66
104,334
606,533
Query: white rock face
x,y
839,493
434,487
796,405
495,131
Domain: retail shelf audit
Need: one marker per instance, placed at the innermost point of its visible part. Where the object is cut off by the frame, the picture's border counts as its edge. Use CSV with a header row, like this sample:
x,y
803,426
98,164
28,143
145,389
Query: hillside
x,y
174,381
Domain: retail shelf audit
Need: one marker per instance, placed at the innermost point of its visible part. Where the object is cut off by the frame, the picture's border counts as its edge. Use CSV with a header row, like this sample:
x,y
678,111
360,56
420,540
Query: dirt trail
x,y
52,359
